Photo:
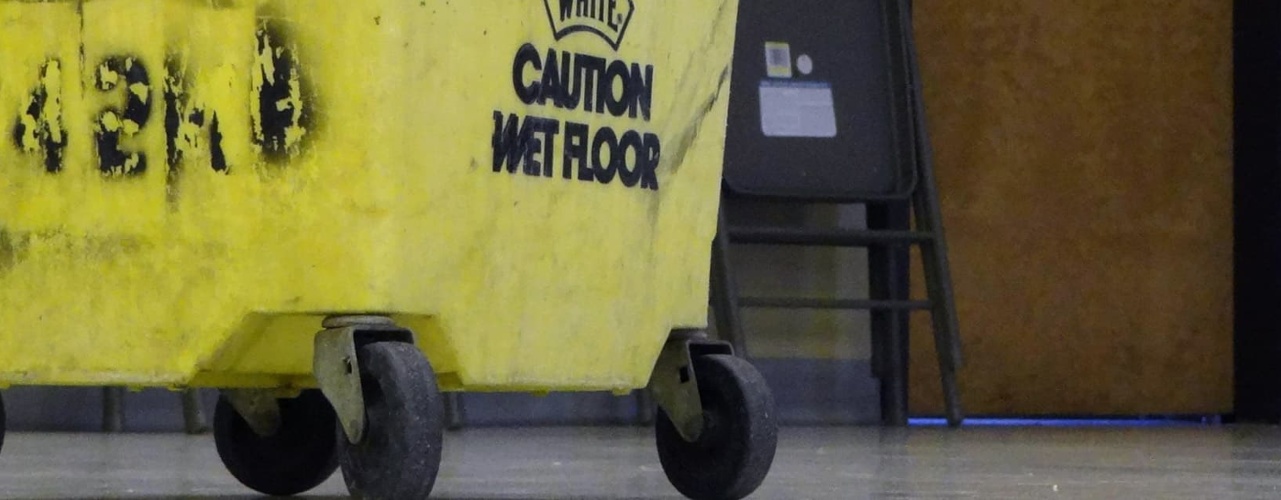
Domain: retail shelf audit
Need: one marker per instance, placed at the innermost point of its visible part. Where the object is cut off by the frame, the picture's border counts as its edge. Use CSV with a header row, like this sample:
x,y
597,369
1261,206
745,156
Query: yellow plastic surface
x,y
188,186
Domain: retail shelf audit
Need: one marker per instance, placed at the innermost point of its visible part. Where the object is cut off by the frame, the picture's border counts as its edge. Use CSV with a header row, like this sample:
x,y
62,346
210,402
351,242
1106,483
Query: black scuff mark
x,y
12,250
685,140
721,10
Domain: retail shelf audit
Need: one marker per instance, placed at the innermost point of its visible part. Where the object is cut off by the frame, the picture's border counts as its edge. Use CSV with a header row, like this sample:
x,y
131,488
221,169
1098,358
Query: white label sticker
x,y
797,109
778,60
804,64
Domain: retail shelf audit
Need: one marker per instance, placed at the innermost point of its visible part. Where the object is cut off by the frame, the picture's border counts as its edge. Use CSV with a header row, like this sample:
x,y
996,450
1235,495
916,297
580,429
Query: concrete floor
x,y
620,463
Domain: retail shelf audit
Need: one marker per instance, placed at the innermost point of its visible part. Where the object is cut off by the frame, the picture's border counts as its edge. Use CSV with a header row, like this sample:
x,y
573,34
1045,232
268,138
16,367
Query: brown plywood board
x,y
1084,159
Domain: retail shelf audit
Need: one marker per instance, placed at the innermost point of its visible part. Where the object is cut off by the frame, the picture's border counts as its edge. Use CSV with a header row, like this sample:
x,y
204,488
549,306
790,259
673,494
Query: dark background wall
x,y
1258,209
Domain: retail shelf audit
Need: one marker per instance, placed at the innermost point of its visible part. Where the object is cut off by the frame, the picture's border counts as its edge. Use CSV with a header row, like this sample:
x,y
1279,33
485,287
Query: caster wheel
x,y
734,453
399,456
302,454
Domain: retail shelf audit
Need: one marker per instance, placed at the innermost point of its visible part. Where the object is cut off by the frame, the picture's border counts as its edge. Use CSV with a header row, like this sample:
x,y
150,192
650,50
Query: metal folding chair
x,y
826,109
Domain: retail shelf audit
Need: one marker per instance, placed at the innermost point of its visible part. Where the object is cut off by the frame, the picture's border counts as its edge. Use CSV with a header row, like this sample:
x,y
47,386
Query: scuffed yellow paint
x,y
142,91
264,73
107,77
111,122
387,203
295,132
51,113
129,127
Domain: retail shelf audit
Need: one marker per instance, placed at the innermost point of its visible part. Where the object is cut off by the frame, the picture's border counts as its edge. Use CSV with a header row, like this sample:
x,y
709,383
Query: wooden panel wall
x,y
1085,159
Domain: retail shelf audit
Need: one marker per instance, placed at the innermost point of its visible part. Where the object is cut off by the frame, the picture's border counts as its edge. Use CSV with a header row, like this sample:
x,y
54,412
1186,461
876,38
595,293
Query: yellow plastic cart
x,y
333,211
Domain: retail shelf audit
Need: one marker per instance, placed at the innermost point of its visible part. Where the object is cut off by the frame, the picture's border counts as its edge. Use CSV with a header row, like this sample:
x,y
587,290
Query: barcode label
x,y
778,60
776,57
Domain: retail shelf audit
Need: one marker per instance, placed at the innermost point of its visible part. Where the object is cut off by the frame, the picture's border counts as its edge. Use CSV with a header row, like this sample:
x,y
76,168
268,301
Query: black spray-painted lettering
x,y
590,66
183,117
579,81
529,144
284,115
600,10
281,113
602,156
128,74
605,144
527,56
576,151
607,19
185,127
39,128
630,146
653,150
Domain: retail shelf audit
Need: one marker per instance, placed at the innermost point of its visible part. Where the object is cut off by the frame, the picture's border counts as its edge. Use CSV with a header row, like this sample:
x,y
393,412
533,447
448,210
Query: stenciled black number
x,y
127,74
39,129
187,126
283,114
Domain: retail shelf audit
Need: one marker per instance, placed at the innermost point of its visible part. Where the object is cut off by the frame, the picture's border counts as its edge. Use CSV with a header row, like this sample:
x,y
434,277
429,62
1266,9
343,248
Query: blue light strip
x,y
1028,422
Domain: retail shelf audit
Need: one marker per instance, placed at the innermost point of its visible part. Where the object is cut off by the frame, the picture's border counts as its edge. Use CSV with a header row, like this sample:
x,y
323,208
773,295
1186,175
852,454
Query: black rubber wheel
x,y
399,455
302,454
736,449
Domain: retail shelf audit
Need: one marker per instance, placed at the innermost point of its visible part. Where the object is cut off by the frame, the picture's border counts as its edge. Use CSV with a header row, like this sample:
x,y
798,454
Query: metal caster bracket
x,y
337,369
258,407
674,383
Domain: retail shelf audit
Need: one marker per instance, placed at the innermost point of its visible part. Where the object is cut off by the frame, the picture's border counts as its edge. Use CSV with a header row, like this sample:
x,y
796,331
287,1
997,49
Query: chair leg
x,y
929,218
888,280
938,282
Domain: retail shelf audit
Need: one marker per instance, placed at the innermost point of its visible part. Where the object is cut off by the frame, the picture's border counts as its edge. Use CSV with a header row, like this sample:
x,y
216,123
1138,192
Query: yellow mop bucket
x,y
469,195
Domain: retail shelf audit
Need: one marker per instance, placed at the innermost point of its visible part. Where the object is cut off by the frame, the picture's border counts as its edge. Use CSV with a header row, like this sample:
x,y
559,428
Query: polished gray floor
x,y
1200,462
